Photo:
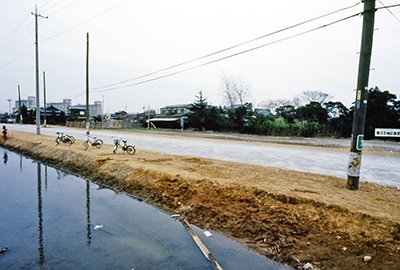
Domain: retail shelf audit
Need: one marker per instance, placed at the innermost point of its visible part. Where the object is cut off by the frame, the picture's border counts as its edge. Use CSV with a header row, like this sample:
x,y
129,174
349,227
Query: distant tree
x,y
340,119
242,115
296,101
197,117
287,112
335,109
315,96
273,104
235,91
214,118
24,113
382,111
313,112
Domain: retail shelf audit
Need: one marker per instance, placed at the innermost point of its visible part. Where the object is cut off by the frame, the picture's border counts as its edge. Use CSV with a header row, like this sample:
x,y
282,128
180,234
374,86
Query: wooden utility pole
x,y
87,86
354,165
37,70
44,99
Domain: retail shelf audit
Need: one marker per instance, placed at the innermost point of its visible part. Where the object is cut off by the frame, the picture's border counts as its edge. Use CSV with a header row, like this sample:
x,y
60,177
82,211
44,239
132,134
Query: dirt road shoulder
x,y
288,216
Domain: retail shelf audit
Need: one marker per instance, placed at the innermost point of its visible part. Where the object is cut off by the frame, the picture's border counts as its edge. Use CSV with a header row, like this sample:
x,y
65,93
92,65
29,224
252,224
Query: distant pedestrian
x,y
4,133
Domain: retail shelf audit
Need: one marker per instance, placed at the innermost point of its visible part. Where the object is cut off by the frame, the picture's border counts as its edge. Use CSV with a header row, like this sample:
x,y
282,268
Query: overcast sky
x,y
129,39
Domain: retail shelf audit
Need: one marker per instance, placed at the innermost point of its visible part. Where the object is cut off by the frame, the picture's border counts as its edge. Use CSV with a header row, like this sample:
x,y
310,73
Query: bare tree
x,y
235,91
315,96
242,90
296,102
230,98
273,104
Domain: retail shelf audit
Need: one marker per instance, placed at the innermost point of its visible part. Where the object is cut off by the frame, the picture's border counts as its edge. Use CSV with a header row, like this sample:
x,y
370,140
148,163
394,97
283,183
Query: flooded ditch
x,y
54,220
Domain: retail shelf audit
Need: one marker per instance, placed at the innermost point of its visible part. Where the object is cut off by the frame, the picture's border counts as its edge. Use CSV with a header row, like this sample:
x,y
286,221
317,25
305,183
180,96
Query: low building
x,y
77,113
173,116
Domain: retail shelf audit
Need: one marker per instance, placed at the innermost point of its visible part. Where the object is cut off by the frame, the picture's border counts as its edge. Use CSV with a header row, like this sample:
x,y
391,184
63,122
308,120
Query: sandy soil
x,y
291,217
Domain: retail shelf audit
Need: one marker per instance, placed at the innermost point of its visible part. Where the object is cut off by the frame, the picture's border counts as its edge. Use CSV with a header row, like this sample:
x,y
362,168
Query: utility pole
x,y
148,117
37,70
87,86
44,98
354,165
102,114
19,105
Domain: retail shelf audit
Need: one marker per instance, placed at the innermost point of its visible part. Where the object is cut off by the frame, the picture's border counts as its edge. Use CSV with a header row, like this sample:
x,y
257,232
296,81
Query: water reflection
x,y
40,215
5,157
50,227
40,209
45,177
89,237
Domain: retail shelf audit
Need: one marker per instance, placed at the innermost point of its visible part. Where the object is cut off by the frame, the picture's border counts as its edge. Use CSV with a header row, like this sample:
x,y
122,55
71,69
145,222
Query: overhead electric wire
x,y
69,29
226,49
16,57
232,55
58,10
13,33
387,8
52,6
54,35
16,28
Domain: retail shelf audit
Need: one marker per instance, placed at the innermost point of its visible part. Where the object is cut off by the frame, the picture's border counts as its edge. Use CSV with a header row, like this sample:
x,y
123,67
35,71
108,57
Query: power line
x,y
4,48
387,8
11,44
16,28
52,6
16,57
69,29
232,55
227,49
58,10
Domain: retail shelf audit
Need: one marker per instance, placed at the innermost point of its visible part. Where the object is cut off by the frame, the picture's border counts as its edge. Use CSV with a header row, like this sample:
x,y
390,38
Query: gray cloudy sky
x,y
129,39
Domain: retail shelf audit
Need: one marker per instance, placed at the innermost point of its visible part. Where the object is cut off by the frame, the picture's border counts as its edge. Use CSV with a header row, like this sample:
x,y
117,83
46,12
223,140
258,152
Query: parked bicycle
x,y
61,138
96,142
125,147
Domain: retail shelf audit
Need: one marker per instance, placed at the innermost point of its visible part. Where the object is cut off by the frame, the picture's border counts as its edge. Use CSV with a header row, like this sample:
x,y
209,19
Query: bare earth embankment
x,y
291,217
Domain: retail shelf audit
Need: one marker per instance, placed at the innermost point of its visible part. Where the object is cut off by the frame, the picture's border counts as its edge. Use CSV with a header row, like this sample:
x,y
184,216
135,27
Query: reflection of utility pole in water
x,y
45,177
20,163
40,215
89,237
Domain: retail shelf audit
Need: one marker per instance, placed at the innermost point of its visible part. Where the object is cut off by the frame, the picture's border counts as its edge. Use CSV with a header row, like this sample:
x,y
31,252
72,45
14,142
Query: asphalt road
x,y
379,169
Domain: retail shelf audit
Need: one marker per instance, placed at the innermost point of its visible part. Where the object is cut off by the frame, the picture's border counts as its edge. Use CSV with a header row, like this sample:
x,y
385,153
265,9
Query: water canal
x,y
50,219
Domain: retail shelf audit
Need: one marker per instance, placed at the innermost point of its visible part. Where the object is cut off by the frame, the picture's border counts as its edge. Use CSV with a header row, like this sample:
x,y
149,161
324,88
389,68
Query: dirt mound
x,y
291,217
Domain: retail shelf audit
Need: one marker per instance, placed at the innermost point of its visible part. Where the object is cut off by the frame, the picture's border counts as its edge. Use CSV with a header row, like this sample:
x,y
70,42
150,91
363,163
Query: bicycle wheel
x,y
85,145
72,139
57,142
99,143
130,149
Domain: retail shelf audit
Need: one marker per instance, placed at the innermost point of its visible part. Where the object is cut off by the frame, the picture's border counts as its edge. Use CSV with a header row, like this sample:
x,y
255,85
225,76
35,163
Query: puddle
x,y
54,220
